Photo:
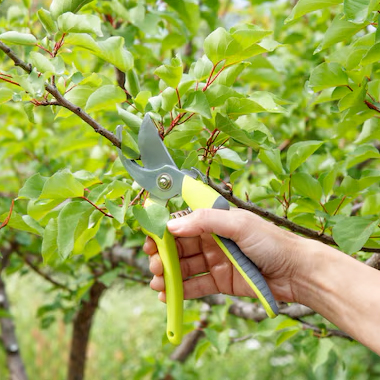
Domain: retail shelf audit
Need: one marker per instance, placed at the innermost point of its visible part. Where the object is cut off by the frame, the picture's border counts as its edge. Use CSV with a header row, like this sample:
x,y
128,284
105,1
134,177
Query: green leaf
x,y
230,74
202,68
171,74
169,99
33,186
327,75
152,218
47,21
306,6
307,186
339,30
62,185
191,160
129,146
230,158
371,205
247,34
327,181
272,158
49,249
111,50
217,94
351,186
219,45
5,95
132,121
372,56
105,97
72,23
43,64
242,106
132,83
299,152
201,348
116,210
173,41
356,11
86,178
79,96
352,233
266,101
197,102
58,7
22,223
18,38
220,340
362,153
86,230
29,111
38,209
68,220
324,348
286,335
252,139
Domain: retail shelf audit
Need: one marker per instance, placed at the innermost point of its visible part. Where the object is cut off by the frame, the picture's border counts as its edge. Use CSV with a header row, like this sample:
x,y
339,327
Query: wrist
x,y
313,261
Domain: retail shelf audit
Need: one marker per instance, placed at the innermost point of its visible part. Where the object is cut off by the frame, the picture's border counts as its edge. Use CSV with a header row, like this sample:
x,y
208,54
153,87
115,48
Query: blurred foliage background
x,y
314,80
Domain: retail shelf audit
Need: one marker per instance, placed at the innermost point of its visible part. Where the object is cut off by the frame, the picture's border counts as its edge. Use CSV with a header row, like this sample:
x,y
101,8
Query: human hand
x,y
207,270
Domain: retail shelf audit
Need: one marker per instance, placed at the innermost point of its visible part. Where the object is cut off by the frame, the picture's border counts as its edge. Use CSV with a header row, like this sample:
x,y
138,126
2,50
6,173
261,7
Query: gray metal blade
x,y
148,178
154,153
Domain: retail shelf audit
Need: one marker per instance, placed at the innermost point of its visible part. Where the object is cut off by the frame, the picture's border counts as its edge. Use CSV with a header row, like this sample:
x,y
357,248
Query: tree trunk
x,y
9,339
81,332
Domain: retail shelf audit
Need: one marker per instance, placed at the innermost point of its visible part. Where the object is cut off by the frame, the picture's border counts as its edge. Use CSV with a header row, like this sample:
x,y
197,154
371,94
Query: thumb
x,y
224,223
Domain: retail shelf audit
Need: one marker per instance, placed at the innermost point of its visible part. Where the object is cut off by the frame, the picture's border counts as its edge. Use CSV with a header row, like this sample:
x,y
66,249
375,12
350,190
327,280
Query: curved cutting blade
x,y
148,178
154,153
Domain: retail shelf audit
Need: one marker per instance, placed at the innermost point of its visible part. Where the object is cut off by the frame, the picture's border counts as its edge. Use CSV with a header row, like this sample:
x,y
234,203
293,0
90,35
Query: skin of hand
x,y
340,288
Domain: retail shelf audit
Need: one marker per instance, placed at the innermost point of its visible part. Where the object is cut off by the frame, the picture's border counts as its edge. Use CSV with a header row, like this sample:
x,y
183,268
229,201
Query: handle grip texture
x,y
198,195
167,250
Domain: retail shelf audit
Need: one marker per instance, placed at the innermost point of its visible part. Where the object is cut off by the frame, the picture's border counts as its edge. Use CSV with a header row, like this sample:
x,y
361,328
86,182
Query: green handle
x,y
198,195
167,250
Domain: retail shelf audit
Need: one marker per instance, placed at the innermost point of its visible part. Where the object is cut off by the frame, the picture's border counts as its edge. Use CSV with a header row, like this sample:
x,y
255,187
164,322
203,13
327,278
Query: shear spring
x,y
180,213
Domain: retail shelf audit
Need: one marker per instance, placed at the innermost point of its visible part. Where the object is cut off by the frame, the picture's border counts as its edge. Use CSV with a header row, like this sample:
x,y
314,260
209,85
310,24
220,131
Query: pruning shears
x,y
161,177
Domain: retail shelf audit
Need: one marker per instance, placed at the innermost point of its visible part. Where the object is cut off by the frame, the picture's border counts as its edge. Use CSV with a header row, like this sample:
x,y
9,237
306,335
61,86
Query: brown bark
x,y
8,331
81,332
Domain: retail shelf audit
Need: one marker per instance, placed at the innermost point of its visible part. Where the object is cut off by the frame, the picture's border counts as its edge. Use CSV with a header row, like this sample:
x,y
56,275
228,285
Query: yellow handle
x,y
167,250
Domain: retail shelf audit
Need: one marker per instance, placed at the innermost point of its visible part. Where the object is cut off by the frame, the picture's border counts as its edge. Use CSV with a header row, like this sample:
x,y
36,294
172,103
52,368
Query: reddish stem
x,y
44,49
98,208
9,81
179,97
6,221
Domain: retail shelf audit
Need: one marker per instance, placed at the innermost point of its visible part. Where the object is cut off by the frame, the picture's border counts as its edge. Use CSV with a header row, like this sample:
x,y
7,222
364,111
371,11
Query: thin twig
x,y
6,221
62,100
98,208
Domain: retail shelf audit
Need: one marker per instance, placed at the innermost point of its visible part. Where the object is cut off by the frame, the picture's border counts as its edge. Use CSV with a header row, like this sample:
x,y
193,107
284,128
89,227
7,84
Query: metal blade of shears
x,y
164,169
154,153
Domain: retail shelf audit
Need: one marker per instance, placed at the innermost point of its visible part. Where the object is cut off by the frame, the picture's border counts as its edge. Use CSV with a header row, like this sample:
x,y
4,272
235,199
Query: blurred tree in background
x,y
277,103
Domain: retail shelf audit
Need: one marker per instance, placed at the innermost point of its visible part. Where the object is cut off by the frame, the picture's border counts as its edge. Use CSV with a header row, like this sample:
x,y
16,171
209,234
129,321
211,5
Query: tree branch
x,y
62,101
44,275
278,220
324,333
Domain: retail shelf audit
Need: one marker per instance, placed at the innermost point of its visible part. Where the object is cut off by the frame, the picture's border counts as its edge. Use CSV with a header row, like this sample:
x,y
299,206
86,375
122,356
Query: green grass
x,y
126,343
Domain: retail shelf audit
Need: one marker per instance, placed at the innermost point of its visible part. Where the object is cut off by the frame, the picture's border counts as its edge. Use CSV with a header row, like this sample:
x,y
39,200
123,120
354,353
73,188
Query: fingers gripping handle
x,y
167,250
199,195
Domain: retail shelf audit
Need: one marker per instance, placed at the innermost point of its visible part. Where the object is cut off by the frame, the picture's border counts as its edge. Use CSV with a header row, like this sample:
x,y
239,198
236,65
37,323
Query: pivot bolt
x,y
164,181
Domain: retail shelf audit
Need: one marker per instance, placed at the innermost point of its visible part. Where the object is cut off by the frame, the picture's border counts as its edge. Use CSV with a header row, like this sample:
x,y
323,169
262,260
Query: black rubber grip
x,y
251,271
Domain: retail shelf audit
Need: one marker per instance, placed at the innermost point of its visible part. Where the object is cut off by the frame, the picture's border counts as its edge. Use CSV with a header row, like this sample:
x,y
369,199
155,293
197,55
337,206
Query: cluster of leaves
x,y
292,125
